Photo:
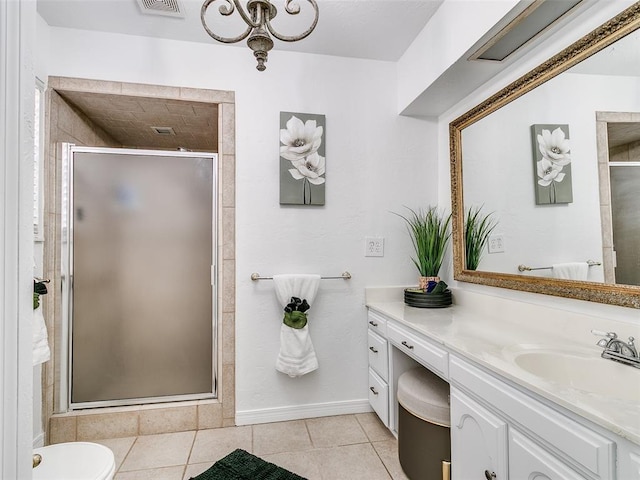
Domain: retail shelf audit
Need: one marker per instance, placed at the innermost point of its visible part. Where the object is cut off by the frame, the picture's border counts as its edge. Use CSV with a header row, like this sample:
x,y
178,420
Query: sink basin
x,y
582,370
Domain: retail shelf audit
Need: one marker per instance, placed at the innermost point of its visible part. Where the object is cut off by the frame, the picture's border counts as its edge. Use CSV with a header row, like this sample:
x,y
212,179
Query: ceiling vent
x,y
169,8
164,131
534,20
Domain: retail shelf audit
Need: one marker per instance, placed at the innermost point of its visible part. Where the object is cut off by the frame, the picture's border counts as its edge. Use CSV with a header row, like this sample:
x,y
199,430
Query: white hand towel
x,y
297,356
41,352
571,271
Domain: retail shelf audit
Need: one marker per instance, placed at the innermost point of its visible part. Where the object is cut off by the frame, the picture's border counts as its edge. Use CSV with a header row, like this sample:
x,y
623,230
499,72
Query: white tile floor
x,y
348,447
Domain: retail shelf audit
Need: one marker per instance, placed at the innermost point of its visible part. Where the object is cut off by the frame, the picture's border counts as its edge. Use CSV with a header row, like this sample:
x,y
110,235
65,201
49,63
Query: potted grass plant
x,y
429,232
477,228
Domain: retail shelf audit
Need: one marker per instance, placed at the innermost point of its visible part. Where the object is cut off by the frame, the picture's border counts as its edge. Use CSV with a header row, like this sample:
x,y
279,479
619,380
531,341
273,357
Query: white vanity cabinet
x,y
562,449
394,349
499,429
378,366
478,440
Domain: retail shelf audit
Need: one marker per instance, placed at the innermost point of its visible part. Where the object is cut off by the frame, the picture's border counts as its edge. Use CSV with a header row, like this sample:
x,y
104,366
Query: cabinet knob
x,y
373,390
372,323
373,350
410,347
489,475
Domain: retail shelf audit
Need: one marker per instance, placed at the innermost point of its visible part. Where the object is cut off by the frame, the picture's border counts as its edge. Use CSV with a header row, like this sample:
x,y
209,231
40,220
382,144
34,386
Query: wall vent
x,y
535,19
171,8
163,131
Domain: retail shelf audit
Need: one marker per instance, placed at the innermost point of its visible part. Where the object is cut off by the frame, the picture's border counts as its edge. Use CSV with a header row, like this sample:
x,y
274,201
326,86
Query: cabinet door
x,y
379,396
530,461
478,441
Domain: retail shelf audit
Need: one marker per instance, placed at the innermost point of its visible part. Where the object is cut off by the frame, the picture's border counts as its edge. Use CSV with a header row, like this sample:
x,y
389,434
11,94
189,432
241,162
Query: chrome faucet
x,y
617,349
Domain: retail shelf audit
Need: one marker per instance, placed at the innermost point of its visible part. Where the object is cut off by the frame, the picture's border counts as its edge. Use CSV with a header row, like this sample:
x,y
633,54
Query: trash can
x,y
424,440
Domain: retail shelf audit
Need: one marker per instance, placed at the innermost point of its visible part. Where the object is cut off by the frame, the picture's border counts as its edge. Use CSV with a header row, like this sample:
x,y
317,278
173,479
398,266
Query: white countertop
x,y
479,331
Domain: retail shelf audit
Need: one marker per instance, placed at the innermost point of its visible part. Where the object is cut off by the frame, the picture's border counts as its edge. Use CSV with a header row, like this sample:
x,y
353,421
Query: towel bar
x,y
524,268
345,276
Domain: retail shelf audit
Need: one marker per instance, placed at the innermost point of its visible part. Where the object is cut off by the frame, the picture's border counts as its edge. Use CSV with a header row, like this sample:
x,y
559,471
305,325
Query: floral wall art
x,y
552,157
302,159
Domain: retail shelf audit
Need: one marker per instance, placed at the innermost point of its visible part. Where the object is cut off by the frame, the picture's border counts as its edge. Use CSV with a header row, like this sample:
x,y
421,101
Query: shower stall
x,y
138,276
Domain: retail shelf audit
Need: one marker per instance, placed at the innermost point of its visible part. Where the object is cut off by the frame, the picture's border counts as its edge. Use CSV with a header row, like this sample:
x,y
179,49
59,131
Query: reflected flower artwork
x,y
302,159
552,157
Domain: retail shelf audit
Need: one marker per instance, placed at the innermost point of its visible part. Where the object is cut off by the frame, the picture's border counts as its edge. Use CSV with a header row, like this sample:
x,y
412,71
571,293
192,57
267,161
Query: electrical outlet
x,y
496,243
374,246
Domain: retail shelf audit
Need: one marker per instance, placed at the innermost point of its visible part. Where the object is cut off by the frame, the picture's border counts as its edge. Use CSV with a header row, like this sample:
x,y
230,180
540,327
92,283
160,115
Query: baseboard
x,y
38,441
297,412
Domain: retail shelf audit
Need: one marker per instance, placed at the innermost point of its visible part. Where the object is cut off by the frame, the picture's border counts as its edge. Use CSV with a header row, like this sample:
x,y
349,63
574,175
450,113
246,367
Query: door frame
x,y
17,43
604,181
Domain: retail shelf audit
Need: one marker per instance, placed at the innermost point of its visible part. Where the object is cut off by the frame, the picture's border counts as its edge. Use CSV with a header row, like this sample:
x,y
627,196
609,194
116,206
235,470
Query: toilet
x,y
74,461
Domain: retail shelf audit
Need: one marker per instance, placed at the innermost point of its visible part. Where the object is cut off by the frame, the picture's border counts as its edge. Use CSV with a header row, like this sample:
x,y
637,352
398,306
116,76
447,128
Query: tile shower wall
x,y
159,418
62,124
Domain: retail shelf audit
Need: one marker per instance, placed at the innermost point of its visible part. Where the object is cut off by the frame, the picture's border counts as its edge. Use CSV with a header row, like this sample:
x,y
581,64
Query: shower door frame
x,y
613,165
66,265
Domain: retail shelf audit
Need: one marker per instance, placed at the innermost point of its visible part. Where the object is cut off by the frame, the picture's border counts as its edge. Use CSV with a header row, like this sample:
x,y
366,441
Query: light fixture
x,y
258,18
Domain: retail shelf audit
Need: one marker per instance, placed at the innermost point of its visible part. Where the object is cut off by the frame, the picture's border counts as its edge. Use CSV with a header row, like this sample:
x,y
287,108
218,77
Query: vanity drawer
x,y
377,323
379,396
431,356
569,439
378,356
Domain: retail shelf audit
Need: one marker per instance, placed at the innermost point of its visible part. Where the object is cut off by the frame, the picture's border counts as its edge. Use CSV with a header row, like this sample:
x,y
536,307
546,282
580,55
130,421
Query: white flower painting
x,y
302,159
552,157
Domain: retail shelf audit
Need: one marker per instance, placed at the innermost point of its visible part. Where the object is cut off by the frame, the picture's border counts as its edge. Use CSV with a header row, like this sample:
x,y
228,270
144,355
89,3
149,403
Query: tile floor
x,y
348,447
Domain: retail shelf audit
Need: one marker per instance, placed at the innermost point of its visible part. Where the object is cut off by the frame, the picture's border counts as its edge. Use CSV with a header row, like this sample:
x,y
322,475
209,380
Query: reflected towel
x,y
571,271
41,352
297,356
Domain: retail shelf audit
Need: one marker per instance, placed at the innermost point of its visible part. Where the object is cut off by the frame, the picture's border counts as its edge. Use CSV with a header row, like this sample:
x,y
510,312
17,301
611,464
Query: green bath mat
x,y
241,465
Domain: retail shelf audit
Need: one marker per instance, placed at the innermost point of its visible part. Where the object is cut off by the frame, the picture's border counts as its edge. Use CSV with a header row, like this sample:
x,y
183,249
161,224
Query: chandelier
x,y
258,17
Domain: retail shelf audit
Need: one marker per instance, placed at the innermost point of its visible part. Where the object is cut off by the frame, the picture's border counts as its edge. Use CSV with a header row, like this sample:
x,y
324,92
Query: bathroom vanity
x,y
530,395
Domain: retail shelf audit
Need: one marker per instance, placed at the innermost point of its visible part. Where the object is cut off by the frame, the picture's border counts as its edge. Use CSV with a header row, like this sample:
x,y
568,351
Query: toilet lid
x,y
75,461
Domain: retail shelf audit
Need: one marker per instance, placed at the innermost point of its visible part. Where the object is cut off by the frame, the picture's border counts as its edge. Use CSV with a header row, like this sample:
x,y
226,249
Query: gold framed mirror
x,y
522,220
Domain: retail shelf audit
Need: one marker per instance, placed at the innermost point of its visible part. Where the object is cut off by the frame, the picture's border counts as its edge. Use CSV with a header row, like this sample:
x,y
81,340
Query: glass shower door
x,y
625,210
142,250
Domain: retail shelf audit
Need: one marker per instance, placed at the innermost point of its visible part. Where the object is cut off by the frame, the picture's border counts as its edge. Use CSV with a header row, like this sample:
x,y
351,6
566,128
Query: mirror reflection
x,y
559,168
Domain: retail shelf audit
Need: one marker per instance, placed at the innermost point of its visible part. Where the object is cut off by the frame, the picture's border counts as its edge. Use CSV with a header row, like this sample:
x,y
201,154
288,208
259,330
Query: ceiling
x,y
370,29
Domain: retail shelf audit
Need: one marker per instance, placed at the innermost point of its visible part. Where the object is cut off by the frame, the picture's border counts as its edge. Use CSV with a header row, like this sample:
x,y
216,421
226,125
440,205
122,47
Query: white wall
x,y
376,162
455,27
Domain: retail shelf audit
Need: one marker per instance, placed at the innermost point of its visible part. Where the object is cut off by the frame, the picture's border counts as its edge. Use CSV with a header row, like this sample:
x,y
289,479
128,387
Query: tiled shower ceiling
x,y
131,120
